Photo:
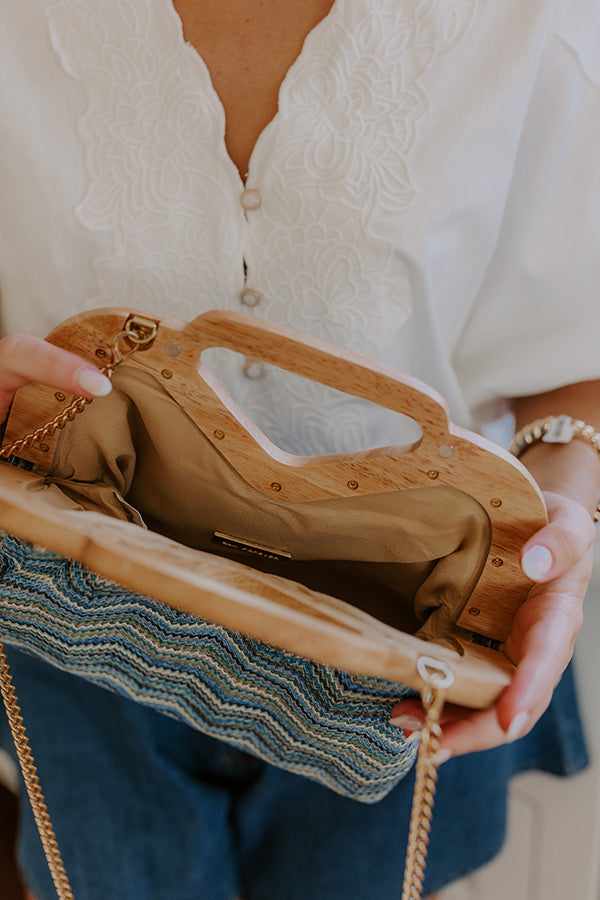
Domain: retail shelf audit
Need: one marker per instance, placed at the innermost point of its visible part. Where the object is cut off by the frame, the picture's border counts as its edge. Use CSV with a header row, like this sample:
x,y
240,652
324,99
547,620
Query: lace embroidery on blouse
x,y
151,119
333,169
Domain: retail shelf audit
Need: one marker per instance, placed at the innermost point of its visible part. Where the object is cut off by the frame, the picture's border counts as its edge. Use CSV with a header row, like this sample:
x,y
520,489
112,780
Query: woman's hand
x,y
25,359
559,559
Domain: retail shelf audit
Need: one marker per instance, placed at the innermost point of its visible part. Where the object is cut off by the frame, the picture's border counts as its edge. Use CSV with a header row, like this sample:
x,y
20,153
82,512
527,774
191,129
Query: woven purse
x,y
159,545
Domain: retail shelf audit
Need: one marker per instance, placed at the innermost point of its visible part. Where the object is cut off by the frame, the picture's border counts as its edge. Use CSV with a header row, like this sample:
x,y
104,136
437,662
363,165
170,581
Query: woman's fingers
x,y
558,547
464,730
25,359
542,639
559,558
546,625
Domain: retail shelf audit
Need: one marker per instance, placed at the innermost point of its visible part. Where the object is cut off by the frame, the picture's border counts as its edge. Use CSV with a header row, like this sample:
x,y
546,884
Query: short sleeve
x,y
536,322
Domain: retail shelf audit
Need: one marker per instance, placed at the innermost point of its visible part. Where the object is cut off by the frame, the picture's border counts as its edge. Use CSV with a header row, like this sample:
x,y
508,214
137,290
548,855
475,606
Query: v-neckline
x,y
188,47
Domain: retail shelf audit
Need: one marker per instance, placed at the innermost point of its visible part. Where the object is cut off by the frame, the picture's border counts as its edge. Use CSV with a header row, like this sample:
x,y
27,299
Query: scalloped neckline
x,y
188,47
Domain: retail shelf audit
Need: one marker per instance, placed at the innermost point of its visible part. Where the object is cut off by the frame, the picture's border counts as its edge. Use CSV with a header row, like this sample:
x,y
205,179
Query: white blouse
x,y
428,194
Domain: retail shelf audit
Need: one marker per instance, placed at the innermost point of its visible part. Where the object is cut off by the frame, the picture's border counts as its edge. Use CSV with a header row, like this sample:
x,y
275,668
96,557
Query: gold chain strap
x,y
437,677
76,406
139,333
32,782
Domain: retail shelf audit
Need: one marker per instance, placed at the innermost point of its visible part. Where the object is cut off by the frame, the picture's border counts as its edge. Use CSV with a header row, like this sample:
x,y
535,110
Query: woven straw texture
x,y
310,719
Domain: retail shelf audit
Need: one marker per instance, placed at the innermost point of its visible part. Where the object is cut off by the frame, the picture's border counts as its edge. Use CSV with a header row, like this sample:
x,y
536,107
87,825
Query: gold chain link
x,y
32,782
425,782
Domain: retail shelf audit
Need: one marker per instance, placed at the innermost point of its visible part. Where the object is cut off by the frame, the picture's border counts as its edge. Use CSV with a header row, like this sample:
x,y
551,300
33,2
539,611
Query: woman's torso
x,y
248,47
378,168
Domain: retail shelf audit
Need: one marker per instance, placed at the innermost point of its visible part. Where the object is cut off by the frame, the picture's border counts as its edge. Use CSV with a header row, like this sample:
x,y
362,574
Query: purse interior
x,y
410,558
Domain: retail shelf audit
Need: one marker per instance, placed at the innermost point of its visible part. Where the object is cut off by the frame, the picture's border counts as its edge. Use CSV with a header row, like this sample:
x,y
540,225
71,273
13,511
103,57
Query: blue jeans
x,y
146,808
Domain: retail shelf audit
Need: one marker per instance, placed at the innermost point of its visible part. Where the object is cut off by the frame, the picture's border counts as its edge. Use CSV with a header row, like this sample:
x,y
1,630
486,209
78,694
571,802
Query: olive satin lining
x,y
411,558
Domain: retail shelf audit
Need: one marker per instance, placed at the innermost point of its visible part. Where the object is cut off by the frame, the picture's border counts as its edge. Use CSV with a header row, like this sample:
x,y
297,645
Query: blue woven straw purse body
x,y
159,545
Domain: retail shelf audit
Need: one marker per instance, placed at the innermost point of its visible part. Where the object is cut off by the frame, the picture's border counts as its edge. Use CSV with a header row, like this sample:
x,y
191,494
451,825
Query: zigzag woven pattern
x,y
305,717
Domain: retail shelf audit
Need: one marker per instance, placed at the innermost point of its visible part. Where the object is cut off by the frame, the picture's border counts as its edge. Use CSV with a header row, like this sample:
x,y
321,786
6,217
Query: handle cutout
x,y
301,416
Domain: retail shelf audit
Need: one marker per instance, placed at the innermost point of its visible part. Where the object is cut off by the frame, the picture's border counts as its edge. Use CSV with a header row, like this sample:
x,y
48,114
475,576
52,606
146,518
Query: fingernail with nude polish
x,y
407,722
442,756
536,562
93,382
517,727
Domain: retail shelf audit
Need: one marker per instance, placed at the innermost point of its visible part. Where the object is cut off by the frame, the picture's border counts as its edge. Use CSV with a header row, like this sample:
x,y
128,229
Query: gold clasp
x,y
140,332
438,676
435,673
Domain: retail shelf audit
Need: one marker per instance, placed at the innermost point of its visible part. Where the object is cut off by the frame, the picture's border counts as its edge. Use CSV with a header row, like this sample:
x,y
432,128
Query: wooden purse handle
x,y
319,361
445,454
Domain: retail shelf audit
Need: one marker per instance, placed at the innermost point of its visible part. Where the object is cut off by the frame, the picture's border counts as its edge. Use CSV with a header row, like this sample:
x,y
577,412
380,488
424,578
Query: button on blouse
x,y
250,199
250,297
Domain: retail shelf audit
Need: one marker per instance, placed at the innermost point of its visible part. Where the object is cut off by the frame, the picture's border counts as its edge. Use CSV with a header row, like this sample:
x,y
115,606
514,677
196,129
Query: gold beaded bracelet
x,y
556,430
